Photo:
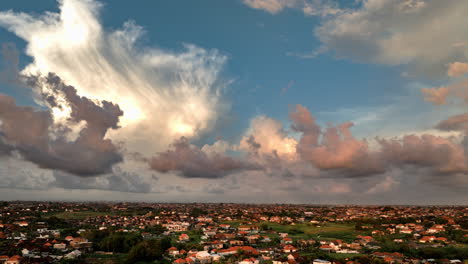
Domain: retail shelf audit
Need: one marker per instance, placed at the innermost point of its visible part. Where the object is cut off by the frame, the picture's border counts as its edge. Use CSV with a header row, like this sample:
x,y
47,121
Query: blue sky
x,y
259,47
370,70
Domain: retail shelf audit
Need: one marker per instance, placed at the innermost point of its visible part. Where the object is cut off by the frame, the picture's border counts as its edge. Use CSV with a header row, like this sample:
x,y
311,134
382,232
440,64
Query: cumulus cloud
x,y
164,95
34,134
390,32
190,161
454,123
399,32
335,152
267,136
437,96
457,69
440,155
334,148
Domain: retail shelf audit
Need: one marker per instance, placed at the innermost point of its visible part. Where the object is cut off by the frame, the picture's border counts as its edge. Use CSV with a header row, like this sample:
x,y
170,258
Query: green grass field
x,y
325,231
106,259
78,215
232,223
343,255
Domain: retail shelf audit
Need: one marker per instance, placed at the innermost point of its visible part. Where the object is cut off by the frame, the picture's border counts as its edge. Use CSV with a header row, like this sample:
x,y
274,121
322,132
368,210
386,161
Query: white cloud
x,y
272,6
308,7
270,137
422,33
164,94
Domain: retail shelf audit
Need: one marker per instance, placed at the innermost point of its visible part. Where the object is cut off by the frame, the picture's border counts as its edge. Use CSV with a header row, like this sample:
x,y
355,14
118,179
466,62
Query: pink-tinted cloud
x,y
190,161
334,148
457,69
454,123
437,96
438,154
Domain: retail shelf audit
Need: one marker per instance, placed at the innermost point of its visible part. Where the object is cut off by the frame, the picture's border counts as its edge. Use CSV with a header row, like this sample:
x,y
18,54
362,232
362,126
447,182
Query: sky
x,y
252,101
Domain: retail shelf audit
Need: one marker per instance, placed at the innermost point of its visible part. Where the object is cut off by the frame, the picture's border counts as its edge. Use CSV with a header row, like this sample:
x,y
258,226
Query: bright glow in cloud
x,y
457,69
270,137
164,95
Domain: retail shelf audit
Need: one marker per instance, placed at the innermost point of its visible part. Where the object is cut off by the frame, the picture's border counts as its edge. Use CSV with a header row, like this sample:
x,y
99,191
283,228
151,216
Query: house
x,y
286,240
173,251
377,233
366,239
236,242
249,261
406,231
80,242
320,261
347,251
426,239
22,223
60,246
72,255
14,260
26,253
184,237
203,256
442,239
327,248
3,259
435,229
179,261
217,244
183,261
289,249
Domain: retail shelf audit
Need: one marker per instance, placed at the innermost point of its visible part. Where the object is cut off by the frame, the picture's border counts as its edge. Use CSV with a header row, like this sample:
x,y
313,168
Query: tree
x,y
54,222
196,212
155,229
148,250
120,242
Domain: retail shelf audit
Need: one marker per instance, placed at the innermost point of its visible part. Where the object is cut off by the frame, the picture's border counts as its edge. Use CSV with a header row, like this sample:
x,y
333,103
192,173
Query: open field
x,y
343,255
328,231
116,258
79,215
325,231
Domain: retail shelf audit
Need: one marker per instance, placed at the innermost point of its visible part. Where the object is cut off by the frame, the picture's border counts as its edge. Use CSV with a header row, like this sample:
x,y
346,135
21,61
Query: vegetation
x,y
148,250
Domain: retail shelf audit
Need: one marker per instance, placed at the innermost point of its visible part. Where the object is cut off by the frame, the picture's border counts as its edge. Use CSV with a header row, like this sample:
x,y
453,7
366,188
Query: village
x,y
61,232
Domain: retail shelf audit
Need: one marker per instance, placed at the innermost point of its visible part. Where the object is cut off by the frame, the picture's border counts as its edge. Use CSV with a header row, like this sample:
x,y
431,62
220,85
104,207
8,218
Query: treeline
x,y
449,252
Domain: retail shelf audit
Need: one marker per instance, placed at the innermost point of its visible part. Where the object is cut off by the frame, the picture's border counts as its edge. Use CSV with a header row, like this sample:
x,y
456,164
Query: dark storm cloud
x,y
29,131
